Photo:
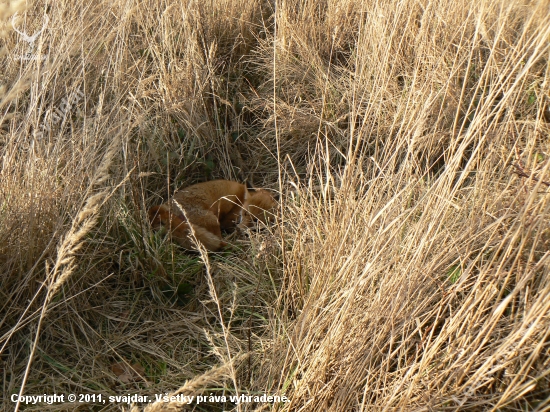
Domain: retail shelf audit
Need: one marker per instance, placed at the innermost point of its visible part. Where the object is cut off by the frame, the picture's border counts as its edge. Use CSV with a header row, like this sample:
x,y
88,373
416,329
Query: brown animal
x,y
207,208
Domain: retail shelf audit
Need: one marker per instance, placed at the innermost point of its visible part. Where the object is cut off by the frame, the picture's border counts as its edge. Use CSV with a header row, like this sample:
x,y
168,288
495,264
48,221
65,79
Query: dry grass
x,y
408,269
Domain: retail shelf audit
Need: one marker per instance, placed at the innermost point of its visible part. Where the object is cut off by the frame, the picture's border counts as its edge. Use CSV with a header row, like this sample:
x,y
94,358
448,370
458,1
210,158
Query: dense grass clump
x,y
409,142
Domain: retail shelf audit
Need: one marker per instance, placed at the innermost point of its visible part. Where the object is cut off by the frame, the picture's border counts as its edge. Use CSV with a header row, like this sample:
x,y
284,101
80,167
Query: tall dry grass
x,y
409,140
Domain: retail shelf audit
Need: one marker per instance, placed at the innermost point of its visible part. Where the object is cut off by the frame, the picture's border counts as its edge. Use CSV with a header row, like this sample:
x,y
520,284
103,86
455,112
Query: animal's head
x,y
258,205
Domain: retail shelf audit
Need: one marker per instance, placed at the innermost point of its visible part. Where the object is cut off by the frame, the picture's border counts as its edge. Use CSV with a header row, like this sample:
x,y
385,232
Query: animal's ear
x,y
275,195
246,194
249,185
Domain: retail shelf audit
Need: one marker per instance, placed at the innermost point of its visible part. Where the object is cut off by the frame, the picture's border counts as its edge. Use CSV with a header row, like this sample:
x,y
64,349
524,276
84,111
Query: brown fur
x,y
259,205
207,208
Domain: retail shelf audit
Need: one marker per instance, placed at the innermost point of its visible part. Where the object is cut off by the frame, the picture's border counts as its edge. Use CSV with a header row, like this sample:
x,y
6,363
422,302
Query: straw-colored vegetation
x,y
409,140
